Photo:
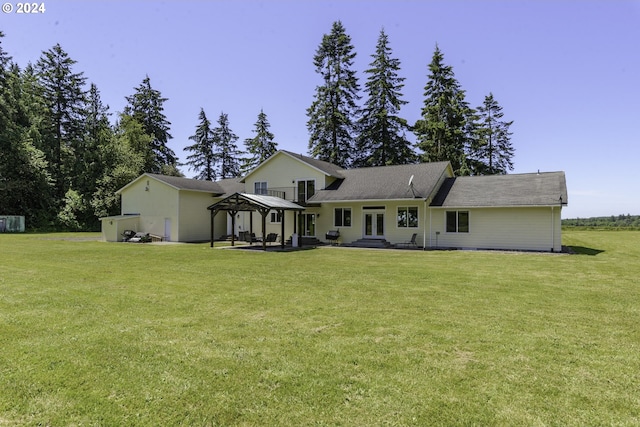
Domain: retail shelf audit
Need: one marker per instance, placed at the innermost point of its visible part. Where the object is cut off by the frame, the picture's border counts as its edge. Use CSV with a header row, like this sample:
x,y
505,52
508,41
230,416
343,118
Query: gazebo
x,y
238,202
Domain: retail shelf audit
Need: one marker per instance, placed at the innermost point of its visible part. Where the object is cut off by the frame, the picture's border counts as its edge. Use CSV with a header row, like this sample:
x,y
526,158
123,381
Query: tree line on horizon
x,y
613,221
62,158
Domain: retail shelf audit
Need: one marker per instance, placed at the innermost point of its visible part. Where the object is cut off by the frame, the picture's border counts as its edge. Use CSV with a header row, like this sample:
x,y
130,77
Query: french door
x,y
373,224
307,225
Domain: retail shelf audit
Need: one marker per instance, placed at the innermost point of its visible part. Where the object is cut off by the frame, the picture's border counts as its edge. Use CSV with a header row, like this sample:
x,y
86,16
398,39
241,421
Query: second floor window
x,y
260,187
306,189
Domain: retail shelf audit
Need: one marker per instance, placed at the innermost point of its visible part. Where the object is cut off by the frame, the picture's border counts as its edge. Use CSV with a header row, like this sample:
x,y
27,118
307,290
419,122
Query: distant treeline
x,y
613,221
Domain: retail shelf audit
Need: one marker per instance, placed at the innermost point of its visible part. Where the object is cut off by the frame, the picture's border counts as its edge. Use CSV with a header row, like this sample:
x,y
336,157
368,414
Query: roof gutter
x,y
494,207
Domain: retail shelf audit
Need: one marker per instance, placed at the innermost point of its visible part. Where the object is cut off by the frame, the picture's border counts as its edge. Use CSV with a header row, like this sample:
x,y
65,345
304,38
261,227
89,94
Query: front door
x,y
374,225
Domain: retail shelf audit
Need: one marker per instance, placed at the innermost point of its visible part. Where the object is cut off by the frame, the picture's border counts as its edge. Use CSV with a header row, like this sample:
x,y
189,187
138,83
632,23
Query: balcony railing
x,y
277,193
286,193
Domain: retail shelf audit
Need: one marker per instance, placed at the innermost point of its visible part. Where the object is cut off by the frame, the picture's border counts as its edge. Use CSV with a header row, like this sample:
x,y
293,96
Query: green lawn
x,y
110,334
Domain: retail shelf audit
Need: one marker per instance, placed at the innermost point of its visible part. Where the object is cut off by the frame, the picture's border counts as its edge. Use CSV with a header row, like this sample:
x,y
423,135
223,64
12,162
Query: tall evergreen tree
x,y
98,133
77,212
261,146
492,152
25,183
64,95
147,106
442,132
382,140
226,149
122,159
333,113
202,160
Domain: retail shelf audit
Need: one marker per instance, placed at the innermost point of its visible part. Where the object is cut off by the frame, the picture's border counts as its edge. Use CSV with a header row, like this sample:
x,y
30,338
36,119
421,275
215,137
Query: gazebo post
x,y
212,225
233,227
251,227
264,214
281,213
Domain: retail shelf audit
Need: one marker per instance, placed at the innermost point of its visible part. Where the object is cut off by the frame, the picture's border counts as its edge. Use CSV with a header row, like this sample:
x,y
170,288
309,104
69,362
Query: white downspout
x,y
424,228
430,230
553,240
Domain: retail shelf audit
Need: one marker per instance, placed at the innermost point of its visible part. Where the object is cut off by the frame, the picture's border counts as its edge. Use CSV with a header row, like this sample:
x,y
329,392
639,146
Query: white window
x,y
457,221
306,189
260,187
275,217
407,217
342,217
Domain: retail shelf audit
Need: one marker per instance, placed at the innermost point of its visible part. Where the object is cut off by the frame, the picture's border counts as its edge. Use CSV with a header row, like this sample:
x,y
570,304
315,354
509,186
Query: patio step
x,y
370,243
306,241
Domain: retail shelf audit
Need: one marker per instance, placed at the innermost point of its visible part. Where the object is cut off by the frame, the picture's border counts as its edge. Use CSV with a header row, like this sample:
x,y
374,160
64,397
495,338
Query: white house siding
x,y
520,228
114,226
195,219
392,233
156,202
282,173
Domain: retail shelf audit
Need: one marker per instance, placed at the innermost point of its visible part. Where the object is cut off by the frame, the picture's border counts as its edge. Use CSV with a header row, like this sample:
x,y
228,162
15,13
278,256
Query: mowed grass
x,y
108,334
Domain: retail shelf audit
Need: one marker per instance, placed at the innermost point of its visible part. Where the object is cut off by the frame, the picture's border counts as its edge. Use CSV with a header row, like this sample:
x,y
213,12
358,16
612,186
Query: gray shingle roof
x,y
528,189
188,183
384,183
219,188
231,186
326,167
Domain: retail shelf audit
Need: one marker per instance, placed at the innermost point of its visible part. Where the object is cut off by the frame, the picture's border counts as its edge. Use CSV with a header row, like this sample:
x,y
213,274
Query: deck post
x,y
212,222
233,227
264,214
281,213
250,227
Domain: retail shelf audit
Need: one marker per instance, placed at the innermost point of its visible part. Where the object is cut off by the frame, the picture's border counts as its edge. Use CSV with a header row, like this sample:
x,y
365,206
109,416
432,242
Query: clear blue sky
x,y
566,72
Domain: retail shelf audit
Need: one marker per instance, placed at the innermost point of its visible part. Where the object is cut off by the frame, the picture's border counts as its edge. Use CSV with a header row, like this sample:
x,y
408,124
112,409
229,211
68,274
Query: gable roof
x,y
179,183
326,168
527,189
385,183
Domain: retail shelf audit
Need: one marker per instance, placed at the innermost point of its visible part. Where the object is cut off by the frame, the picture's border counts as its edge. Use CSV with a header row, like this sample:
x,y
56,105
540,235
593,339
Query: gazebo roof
x,y
251,202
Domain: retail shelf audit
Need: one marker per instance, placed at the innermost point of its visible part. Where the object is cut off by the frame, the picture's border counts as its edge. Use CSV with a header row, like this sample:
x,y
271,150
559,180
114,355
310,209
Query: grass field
x,y
109,334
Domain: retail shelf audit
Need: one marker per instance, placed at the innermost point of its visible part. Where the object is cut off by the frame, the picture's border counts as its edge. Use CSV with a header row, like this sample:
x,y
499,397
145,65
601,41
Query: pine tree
x,y
203,160
382,140
261,146
25,183
98,133
147,106
226,149
333,113
442,132
65,100
493,152
122,159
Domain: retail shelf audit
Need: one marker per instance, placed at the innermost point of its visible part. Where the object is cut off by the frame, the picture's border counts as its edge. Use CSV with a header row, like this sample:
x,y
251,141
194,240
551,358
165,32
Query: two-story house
x,y
374,206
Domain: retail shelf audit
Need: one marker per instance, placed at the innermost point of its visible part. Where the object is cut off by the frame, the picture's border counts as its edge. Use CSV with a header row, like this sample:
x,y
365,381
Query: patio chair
x,y
271,237
412,242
